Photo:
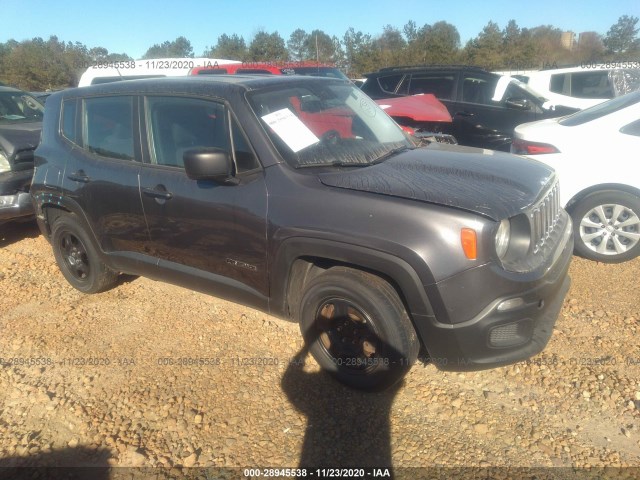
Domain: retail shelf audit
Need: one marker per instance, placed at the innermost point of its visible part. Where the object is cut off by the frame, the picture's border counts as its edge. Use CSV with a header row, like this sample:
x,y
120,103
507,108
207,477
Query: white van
x,y
105,72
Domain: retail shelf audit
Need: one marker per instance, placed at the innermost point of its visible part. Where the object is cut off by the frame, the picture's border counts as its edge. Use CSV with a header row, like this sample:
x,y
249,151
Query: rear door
x,y
101,172
207,235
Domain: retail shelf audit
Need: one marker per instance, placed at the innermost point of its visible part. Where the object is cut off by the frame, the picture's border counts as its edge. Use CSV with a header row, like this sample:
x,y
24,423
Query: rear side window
x,y
591,85
441,85
69,130
108,126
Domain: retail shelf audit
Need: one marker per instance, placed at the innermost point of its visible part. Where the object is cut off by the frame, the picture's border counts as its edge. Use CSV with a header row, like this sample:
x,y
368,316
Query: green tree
x,y
297,44
231,47
441,43
320,46
486,49
179,48
519,50
359,53
390,47
267,47
622,37
38,65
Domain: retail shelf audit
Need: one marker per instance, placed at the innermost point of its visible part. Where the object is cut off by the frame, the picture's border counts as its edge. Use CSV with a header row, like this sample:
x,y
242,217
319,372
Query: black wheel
x,y
77,257
607,226
357,328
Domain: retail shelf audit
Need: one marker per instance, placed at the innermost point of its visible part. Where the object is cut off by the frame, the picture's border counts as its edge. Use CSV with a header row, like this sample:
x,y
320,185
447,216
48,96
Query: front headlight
x,y
503,235
4,163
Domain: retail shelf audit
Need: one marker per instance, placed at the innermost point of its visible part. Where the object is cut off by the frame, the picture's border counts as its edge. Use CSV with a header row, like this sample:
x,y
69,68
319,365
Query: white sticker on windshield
x,y
290,129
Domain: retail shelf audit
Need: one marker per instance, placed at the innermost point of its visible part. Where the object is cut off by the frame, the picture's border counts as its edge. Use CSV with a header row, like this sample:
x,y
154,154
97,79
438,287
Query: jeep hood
x,y
18,142
494,184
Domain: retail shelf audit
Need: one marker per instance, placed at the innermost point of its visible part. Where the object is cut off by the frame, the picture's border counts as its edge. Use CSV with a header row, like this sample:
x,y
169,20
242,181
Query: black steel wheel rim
x,y
74,255
347,335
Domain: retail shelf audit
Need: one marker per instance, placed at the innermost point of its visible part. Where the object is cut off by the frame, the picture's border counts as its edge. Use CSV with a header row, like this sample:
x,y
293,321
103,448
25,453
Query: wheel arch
x,y
601,188
300,259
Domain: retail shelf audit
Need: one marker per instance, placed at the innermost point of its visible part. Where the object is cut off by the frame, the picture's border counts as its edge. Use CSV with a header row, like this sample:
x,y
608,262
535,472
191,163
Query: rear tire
x,y
607,226
357,328
77,257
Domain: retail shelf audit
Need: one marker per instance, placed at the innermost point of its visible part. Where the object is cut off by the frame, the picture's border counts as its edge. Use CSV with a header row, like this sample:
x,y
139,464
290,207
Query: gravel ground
x,y
153,375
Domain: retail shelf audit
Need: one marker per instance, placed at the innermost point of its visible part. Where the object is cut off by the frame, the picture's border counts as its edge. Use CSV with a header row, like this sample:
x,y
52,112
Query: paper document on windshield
x,y
290,129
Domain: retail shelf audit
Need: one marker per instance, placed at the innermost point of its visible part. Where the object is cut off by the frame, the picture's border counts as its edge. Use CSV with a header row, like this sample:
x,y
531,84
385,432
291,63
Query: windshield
x,y
19,107
601,109
331,72
318,124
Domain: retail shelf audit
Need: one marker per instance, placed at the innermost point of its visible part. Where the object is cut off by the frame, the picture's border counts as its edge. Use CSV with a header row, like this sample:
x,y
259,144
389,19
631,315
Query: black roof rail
x,y
419,67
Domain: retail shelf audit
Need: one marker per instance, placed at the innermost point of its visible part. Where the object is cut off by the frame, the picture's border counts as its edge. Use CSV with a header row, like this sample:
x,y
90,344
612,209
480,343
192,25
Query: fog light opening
x,y
510,304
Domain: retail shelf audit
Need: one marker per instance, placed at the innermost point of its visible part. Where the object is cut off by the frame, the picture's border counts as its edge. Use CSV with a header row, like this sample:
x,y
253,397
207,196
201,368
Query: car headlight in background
x,y
4,163
503,235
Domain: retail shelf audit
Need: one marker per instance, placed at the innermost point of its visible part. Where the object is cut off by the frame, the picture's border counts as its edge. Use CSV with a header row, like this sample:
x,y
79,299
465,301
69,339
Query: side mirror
x,y
518,103
208,163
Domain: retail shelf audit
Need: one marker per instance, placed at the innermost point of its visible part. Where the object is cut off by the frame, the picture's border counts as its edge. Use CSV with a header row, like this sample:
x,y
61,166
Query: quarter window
x,y
69,120
108,124
389,83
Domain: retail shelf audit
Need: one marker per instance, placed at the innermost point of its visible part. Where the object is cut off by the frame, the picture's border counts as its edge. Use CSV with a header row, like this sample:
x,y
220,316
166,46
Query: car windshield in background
x,y
327,124
601,110
18,107
330,72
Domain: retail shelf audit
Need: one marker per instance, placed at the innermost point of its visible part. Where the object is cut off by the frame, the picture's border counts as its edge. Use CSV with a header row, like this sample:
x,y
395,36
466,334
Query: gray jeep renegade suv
x,y
300,197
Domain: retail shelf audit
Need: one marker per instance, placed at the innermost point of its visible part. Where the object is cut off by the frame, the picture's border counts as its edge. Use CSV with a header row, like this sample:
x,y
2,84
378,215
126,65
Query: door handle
x,y
155,193
79,176
464,114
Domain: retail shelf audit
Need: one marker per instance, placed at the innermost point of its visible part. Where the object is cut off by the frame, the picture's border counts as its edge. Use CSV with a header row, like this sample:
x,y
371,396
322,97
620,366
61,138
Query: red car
x,y
422,116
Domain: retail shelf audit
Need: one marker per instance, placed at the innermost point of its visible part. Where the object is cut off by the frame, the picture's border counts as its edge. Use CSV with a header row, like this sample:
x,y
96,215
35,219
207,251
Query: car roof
x,y
207,85
10,89
425,68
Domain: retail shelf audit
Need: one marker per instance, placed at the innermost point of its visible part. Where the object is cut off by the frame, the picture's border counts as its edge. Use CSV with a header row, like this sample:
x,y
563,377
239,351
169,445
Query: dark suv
x,y
485,107
301,197
20,123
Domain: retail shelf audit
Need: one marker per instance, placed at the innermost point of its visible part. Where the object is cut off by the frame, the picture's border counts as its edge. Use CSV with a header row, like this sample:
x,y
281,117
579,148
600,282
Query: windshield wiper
x,y
336,163
391,153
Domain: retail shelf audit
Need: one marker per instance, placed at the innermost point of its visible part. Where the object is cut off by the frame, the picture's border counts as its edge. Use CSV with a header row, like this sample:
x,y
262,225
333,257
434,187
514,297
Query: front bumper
x,y
516,323
15,206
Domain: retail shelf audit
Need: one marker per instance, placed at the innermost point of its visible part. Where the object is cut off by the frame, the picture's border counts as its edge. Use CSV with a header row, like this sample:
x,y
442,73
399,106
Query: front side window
x,y
177,124
326,124
108,127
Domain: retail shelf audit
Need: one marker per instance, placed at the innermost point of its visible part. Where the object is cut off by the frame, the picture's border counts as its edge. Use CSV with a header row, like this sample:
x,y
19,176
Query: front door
x,y
209,235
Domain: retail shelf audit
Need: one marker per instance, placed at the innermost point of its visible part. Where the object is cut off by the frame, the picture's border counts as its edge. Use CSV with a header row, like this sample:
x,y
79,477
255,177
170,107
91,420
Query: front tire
x,y
77,257
357,328
607,226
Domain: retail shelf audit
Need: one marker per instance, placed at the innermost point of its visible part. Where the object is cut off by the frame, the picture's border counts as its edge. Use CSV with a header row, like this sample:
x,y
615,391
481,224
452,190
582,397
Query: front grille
x,y
544,218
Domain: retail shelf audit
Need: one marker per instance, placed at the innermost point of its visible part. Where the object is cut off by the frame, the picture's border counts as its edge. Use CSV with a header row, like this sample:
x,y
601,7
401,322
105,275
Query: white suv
x,y
585,86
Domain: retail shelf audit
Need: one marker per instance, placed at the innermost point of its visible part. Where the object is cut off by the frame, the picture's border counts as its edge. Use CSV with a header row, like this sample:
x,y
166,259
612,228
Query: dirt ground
x,y
153,375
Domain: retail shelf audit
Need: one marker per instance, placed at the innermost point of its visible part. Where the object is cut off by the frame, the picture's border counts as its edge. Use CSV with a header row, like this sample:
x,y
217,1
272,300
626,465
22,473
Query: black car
x,y
20,124
485,107
301,197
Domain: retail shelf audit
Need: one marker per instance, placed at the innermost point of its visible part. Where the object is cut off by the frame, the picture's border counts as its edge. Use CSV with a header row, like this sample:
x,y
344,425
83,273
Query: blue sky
x,y
133,26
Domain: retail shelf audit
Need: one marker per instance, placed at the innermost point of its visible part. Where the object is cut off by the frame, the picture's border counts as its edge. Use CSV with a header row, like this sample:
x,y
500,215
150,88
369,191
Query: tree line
x,y
39,64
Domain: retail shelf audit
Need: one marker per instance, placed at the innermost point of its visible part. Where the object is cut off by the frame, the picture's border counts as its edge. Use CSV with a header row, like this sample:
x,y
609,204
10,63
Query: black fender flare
x,y
394,269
